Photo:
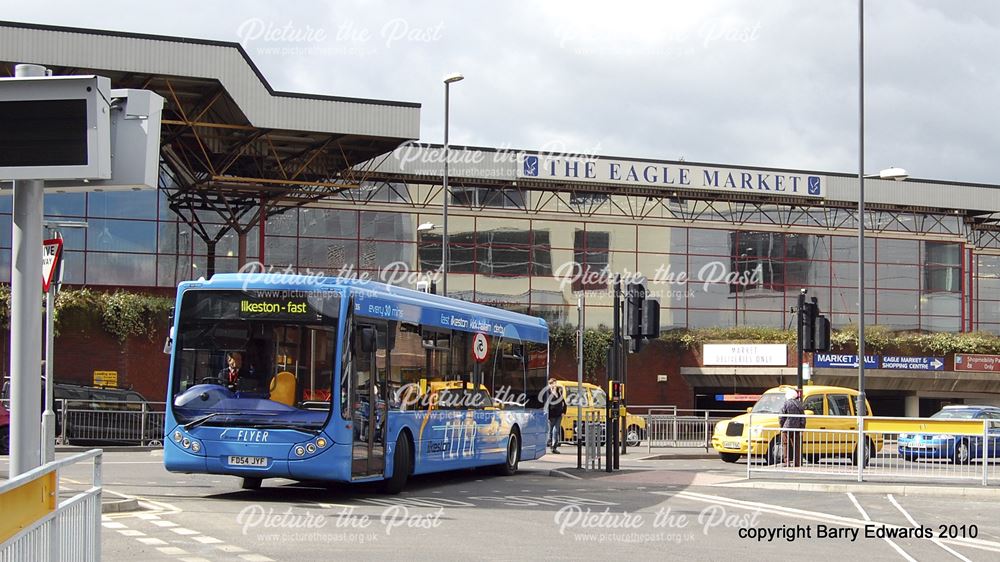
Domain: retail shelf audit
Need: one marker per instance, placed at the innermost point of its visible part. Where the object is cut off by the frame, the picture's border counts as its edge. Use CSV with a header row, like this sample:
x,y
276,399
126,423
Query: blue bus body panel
x,y
443,439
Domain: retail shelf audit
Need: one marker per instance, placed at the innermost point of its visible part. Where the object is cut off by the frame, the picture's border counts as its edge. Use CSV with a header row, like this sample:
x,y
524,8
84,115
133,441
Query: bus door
x,y
368,398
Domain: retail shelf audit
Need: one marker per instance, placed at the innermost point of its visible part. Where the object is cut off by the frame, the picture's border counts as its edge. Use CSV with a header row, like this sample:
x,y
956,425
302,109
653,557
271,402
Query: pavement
x,y
693,508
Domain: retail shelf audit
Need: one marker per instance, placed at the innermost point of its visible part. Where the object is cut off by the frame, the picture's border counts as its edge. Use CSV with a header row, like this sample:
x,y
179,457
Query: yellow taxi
x,y
595,399
734,438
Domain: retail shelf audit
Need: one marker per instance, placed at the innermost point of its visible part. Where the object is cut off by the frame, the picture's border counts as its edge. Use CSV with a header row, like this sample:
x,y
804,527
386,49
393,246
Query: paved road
x,y
680,510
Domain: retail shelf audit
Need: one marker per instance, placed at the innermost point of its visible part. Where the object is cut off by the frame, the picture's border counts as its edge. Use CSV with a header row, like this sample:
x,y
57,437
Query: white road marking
x,y
151,541
888,541
112,525
131,533
230,548
255,558
171,550
204,539
935,540
163,523
147,516
195,559
184,532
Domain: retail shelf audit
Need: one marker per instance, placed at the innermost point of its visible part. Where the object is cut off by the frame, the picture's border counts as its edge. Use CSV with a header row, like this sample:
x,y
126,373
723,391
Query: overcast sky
x,y
768,83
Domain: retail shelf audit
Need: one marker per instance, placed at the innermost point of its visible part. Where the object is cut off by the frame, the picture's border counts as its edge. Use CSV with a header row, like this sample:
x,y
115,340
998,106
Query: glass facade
x,y
711,263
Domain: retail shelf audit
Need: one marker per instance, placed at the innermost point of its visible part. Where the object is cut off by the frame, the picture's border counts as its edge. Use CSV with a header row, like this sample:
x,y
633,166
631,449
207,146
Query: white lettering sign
x,y
745,355
670,175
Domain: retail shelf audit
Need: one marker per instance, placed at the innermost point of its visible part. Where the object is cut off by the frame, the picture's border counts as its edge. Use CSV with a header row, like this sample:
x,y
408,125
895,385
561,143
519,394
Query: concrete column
x,y
912,406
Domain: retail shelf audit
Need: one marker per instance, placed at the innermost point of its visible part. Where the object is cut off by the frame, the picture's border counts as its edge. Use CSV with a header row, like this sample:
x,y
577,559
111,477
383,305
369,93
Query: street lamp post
x,y
448,80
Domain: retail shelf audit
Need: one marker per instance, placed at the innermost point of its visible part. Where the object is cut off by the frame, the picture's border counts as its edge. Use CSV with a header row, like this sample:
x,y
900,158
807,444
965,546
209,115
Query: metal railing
x,y
94,421
72,531
673,427
893,449
593,438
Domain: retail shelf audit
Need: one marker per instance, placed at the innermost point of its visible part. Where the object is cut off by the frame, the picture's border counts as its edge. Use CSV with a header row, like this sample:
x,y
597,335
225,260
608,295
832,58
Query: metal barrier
x,y
68,531
593,438
668,428
939,449
110,422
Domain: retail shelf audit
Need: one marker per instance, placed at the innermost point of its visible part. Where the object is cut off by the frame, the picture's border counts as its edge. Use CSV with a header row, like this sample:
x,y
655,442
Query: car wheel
x,y
730,457
866,456
962,453
251,483
5,440
633,437
400,467
509,467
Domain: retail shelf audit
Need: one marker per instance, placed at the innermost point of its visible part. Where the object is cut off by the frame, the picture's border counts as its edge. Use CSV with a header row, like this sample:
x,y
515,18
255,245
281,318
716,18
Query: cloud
x,y
771,84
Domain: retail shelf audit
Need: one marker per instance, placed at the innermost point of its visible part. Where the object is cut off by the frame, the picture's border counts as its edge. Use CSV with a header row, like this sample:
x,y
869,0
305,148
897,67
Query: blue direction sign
x,y
913,363
840,361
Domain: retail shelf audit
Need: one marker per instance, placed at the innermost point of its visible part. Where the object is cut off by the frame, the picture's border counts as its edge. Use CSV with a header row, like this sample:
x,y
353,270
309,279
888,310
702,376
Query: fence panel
x,y
893,449
72,532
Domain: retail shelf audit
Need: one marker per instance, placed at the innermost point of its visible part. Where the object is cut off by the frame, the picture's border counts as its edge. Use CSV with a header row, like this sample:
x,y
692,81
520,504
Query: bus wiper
x,y
302,427
203,419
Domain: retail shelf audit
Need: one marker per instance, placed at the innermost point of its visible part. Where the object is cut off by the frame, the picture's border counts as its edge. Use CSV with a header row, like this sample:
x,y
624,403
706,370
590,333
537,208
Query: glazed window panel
x,y
112,235
332,223
330,253
387,226
121,269
120,204
891,250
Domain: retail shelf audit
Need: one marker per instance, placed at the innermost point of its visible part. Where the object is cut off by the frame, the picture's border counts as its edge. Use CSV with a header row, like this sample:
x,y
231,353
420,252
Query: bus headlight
x,y
186,443
178,436
195,446
321,442
300,450
310,448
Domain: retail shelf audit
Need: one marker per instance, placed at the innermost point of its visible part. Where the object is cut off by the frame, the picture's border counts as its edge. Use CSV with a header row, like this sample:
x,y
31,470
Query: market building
x,y
338,186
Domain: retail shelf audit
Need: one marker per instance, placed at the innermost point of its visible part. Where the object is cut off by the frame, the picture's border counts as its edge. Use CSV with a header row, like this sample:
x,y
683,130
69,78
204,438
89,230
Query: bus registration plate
x,y
248,461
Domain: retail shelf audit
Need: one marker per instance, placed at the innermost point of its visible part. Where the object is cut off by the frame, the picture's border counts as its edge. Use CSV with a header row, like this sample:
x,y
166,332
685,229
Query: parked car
x,y
595,399
95,415
4,430
958,448
735,438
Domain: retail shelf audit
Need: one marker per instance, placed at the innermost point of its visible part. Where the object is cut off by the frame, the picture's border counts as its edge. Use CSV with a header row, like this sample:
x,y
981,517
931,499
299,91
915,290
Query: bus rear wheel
x,y
509,467
400,467
251,483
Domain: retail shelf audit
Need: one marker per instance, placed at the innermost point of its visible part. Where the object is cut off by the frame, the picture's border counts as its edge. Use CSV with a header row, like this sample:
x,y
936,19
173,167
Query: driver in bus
x,y
236,375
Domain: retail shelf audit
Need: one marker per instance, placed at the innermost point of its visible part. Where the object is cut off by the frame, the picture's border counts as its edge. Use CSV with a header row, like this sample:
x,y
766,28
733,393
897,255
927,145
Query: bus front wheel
x,y
400,467
251,483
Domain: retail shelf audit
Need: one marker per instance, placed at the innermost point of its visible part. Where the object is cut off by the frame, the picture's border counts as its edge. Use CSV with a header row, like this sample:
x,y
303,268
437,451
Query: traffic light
x,y
651,319
807,320
821,335
635,295
814,328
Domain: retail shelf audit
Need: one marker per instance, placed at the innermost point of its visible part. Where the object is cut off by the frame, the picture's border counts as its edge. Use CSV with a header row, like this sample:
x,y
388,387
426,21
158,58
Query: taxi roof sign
x,y
51,254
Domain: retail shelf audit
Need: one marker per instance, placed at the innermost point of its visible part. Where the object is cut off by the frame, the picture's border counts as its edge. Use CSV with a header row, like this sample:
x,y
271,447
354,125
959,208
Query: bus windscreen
x,y
263,359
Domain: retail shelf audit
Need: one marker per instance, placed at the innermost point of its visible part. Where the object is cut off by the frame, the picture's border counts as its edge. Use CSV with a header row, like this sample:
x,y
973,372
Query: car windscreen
x,y
770,403
957,414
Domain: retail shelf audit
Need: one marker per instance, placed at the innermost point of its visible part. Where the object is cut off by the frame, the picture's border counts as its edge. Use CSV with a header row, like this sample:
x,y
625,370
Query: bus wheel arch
x,y
402,458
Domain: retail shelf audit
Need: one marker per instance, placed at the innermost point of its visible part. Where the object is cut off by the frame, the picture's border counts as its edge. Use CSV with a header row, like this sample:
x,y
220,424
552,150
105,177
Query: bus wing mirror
x,y
368,340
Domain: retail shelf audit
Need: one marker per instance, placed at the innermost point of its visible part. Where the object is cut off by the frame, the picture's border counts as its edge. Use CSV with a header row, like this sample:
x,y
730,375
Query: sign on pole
x,y
480,347
892,362
51,254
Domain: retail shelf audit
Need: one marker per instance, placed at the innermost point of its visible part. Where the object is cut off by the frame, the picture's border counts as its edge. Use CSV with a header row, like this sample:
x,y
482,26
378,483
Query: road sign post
x,y
51,271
